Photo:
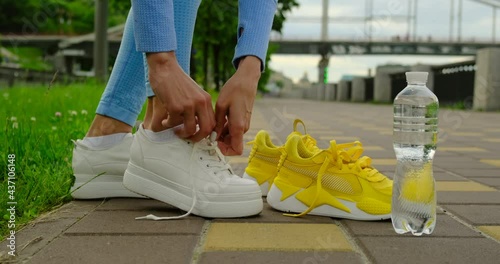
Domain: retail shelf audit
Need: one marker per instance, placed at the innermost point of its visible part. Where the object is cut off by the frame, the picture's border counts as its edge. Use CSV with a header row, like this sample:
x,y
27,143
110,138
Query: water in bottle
x,y
415,138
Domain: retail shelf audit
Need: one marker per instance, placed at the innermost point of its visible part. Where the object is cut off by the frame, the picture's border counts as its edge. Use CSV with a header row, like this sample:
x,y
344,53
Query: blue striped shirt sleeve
x,y
254,29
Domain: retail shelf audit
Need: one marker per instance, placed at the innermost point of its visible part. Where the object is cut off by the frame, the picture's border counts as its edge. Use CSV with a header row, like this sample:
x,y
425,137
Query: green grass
x,y
38,125
41,142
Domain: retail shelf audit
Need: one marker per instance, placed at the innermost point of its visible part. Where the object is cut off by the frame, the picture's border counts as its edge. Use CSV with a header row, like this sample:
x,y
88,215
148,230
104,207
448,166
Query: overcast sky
x,y
433,19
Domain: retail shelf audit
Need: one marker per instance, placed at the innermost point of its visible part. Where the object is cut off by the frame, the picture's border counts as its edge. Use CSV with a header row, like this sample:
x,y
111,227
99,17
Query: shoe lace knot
x,y
209,153
349,155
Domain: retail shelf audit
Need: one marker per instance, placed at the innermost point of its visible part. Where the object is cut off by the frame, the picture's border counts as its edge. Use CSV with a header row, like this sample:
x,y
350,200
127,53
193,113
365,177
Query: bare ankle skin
x,y
103,126
155,113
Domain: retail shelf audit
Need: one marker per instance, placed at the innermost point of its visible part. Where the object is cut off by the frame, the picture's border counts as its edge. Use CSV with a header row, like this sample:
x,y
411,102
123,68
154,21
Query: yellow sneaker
x,y
265,156
335,182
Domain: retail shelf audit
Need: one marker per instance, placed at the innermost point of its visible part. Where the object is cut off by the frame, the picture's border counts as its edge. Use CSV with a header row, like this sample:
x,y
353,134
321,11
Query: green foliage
x,y
215,39
57,16
37,126
284,7
264,77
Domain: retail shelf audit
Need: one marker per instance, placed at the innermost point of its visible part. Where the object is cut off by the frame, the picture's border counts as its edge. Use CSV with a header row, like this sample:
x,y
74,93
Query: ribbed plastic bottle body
x,y
415,138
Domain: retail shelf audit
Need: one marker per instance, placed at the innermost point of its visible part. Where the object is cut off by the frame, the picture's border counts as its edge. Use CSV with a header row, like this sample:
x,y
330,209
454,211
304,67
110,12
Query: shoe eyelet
x,y
207,166
201,158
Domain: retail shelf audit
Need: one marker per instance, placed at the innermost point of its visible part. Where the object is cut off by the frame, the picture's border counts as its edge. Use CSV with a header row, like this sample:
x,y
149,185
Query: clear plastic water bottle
x,y
415,138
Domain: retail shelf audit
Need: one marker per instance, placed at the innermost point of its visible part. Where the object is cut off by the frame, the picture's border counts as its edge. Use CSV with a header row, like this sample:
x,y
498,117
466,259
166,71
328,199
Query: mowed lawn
x,y
37,126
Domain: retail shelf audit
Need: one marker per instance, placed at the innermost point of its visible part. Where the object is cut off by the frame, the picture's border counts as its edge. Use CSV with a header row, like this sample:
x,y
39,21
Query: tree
x,y
56,16
215,39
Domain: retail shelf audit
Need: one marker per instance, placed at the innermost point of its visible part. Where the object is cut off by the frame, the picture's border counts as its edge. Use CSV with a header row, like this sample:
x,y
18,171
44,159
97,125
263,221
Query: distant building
x,y
304,82
278,82
8,59
283,86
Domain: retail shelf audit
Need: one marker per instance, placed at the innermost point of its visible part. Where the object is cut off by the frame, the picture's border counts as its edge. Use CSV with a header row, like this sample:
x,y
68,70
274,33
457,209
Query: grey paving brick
x,y
34,237
251,257
379,154
126,204
472,173
460,163
123,222
118,249
108,233
468,198
409,250
445,226
444,153
490,181
477,214
37,234
387,168
471,164
76,209
446,176
491,153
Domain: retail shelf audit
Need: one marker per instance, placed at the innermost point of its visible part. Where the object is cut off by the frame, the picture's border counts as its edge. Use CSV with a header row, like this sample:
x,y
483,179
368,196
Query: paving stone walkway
x,y
466,167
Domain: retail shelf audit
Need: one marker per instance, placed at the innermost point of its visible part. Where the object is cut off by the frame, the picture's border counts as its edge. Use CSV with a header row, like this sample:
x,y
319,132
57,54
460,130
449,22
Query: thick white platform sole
x,y
146,183
264,188
104,186
292,205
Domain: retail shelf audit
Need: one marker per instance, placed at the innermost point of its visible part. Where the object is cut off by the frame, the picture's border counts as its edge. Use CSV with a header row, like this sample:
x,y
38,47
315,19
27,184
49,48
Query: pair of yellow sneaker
x,y
301,178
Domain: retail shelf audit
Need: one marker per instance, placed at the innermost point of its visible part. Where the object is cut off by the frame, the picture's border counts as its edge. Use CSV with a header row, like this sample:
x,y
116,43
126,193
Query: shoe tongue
x,y
294,133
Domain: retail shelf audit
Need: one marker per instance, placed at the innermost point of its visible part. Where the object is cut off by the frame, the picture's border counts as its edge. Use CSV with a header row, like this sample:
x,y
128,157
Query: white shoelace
x,y
216,163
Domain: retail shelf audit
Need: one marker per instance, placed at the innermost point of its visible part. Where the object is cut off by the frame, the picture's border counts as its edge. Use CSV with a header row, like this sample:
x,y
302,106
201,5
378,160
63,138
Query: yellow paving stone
x,y
357,124
467,134
385,132
493,231
462,149
384,161
249,137
374,128
495,162
275,237
339,139
494,140
462,186
492,130
238,160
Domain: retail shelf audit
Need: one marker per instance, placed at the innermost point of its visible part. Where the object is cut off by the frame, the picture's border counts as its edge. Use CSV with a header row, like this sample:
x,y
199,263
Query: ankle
x,y
153,126
103,126
155,114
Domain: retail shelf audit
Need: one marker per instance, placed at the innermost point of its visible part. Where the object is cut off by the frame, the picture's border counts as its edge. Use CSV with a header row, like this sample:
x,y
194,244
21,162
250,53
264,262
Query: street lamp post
x,y
101,40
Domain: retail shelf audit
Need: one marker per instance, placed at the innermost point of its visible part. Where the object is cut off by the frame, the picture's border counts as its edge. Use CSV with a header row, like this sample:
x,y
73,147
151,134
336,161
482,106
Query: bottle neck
x,y
417,83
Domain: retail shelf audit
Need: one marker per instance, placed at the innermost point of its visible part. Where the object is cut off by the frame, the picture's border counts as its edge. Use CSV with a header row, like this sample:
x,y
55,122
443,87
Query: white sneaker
x,y
191,176
99,173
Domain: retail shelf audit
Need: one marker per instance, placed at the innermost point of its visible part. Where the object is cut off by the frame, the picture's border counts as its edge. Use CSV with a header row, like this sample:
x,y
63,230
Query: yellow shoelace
x,y
309,141
347,154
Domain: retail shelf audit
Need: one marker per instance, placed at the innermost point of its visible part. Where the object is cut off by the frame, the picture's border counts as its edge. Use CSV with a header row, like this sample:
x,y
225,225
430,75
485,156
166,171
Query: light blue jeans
x,y
128,85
